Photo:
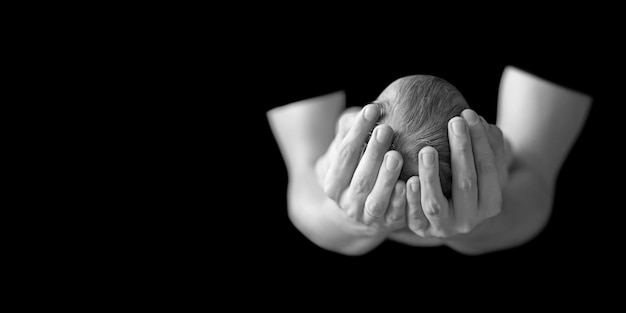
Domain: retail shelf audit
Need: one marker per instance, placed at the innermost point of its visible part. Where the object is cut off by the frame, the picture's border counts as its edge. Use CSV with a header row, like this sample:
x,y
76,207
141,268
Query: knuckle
x,y
349,205
430,178
352,214
418,226
374,209
480,128
478,131
395,218
361,187
467,183
463,146
415,212
368,221
432,207
346,153
398,206
486,164
387,182
373,152
331,191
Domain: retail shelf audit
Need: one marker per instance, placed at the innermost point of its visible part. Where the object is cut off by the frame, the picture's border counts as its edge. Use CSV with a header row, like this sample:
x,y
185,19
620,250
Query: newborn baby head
x,y
418,109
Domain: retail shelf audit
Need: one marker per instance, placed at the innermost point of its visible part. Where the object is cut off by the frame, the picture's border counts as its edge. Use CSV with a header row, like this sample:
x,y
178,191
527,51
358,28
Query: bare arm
x,y
304,131
541,121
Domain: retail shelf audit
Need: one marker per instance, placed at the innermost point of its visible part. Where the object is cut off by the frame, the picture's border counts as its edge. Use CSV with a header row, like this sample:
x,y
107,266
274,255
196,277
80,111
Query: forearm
x,y
322,222
304,129
541,120
526,206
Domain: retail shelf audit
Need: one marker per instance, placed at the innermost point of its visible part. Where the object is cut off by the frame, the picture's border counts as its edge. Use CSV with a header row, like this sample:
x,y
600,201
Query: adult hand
x,y
479,169
364,183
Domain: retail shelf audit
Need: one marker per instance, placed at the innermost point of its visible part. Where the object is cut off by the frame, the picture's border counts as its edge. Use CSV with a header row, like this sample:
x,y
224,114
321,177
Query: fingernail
x,y
428,158
471,117
381,134
391,162
371,113
458,127
414,186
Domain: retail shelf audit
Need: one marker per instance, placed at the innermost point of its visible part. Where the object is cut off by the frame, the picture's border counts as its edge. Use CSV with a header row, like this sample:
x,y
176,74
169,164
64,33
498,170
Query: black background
x,y
229,220
196,195
580,240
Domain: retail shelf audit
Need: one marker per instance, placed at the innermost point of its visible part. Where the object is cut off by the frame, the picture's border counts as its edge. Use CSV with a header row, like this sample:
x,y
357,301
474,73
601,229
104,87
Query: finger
x,y
341,129
496,142
434,204
378,199
363,124
417,221
464,181
367,171
489,195
345,121
396,212
345,160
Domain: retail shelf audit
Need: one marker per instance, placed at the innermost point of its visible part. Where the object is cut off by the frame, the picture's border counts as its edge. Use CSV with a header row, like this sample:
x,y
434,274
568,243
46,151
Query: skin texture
x,y
432,215
372,195
349,201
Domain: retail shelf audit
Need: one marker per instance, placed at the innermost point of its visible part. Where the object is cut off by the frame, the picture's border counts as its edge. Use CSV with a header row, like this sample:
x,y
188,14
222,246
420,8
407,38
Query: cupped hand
x,y
361,175
479,170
